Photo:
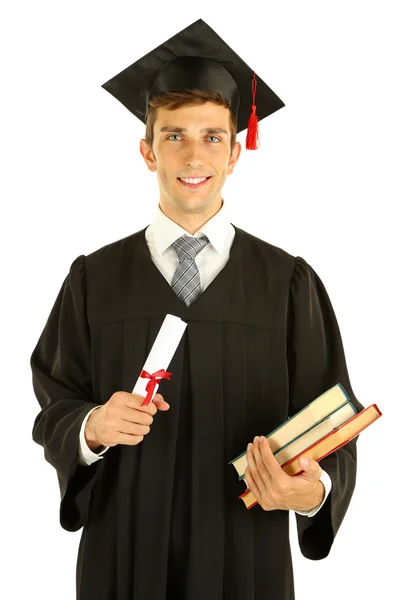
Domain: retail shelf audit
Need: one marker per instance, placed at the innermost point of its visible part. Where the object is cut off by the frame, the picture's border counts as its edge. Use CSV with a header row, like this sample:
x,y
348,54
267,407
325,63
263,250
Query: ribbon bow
x,y
151,384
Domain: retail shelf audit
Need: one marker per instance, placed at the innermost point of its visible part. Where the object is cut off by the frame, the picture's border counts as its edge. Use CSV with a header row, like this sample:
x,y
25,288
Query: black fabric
x,y
179,548
195,73
162,520
194,58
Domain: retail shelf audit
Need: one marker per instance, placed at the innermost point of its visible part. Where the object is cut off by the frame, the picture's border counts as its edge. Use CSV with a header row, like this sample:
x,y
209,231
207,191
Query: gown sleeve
x,y
316,362
62,383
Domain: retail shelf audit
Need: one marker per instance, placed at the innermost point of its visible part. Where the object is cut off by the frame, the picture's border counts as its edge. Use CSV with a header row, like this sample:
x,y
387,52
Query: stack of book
x,y
326,424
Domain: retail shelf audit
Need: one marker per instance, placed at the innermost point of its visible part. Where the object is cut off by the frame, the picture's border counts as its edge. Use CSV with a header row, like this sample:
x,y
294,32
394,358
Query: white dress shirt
x,y
210,261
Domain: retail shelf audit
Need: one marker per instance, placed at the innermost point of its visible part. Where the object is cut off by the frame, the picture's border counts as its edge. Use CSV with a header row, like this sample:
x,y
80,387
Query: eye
x,y
176,135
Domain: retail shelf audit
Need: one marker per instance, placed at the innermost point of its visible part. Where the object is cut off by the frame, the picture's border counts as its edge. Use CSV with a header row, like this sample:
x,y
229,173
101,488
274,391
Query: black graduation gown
x,y
162,520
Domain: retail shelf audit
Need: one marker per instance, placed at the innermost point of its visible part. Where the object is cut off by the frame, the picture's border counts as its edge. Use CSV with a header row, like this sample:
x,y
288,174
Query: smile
x,y
193,183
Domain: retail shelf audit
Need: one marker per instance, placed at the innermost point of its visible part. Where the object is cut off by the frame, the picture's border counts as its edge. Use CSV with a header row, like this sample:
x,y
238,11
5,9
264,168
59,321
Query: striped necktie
x,y
186,280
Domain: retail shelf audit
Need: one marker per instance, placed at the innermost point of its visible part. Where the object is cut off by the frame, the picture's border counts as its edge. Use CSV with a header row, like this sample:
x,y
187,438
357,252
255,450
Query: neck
x,y
191,222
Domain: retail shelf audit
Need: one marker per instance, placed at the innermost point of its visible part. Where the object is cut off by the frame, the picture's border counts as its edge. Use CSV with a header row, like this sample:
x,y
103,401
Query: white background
x,y
322,186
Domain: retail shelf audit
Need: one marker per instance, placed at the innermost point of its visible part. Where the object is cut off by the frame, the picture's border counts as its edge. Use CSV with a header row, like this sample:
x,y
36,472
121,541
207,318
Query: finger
x,y
255,463
138,416
162,405
157,401
129,440
311,469
136,429
150,408
272,467
250,479
136,401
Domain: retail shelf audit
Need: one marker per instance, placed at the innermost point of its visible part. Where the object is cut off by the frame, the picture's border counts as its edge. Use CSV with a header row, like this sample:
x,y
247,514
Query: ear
x,y
234,156
148,155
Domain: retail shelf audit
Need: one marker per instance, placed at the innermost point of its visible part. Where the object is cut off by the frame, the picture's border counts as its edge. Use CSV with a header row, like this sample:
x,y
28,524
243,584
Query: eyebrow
x,y
171,129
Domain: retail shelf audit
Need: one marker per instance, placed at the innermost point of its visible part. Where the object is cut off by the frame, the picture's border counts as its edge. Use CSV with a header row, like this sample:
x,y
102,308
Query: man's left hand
x,y
276,490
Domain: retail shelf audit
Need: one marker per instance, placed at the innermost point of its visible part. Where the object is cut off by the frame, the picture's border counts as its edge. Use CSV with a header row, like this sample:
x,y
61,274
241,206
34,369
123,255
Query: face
x,y
191,142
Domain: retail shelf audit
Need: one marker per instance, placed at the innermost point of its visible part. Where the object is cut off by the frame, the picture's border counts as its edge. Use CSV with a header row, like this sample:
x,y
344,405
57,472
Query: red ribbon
x,y
151,384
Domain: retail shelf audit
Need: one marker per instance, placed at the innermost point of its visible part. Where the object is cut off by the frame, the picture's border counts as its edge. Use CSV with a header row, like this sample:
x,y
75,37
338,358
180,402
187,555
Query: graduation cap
x,y
197,58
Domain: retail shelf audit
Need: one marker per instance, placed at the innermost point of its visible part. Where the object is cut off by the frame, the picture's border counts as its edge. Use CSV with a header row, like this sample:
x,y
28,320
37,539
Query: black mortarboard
x,y
196,58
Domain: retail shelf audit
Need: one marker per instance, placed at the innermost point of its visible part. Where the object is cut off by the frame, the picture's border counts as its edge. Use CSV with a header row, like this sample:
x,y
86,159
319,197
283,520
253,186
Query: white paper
x,y
162,351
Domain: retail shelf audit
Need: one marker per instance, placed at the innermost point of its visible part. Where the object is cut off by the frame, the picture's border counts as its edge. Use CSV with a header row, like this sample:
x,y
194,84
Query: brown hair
x,y
174,100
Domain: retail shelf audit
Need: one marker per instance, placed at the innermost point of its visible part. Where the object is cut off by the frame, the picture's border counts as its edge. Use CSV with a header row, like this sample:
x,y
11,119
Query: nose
x,y
194,155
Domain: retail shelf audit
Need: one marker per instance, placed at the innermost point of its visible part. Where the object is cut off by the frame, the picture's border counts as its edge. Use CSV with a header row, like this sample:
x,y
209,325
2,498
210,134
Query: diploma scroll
x,y
160,356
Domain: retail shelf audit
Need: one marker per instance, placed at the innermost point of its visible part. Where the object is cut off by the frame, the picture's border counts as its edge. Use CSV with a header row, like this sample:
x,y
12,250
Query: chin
x,y
192,204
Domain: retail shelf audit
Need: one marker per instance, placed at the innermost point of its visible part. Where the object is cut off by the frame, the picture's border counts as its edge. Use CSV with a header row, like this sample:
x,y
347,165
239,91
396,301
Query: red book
x,y
334,440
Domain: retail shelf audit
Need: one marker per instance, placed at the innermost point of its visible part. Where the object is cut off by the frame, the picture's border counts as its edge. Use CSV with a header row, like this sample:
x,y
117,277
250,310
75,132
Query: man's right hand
x,y
122,420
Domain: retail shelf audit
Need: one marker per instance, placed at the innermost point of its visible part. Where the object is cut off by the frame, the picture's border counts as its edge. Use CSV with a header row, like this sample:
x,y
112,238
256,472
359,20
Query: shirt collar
x,y
165,231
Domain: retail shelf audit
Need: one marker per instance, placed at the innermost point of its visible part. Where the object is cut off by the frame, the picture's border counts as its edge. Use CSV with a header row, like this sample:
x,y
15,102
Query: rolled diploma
x,y
163,349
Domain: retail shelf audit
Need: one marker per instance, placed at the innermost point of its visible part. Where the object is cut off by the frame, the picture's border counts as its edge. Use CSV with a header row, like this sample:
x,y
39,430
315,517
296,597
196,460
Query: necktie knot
x,y
188,247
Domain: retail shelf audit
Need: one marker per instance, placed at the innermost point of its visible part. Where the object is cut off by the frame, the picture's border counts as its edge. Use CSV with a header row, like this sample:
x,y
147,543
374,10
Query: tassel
x,y
252,140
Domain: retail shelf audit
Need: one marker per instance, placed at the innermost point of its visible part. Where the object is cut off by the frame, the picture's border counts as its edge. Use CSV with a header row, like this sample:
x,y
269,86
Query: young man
x,y
154,493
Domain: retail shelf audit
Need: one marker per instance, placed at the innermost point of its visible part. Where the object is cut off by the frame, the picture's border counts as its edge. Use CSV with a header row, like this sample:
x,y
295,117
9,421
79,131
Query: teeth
x,y
191,180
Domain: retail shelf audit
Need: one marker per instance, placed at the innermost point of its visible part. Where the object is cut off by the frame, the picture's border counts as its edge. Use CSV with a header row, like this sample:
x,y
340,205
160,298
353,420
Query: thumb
x,y
159,399
311,468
